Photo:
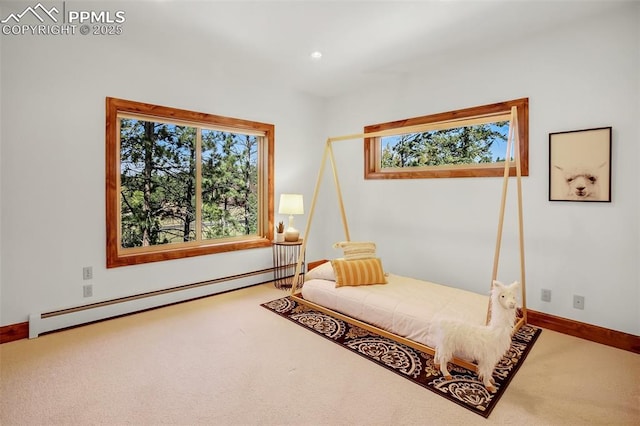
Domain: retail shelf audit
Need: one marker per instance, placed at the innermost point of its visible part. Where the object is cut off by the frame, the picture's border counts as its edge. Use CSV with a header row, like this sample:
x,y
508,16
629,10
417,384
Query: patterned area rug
x,y
464,389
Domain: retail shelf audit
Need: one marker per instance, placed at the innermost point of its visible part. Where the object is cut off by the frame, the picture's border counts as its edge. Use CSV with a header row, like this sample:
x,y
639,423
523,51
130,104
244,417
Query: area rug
x,y
464,388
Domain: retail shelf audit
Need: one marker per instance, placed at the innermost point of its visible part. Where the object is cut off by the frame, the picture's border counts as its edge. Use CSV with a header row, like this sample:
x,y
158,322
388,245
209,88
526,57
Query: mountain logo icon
x,y
39,11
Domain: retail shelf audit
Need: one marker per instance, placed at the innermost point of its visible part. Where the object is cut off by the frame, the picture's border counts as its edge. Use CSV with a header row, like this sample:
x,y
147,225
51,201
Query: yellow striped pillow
x,y
357,249
358,272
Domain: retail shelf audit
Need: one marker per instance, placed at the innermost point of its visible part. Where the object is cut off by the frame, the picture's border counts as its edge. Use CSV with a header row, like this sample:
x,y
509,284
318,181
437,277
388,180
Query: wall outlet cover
x,y
545,295
87,290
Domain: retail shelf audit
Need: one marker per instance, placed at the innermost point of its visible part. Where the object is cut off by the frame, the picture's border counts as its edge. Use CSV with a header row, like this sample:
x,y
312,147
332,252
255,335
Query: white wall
x,y
582,76
53,164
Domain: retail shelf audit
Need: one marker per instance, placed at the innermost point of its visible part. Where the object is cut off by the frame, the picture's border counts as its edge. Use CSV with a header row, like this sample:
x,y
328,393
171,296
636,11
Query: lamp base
x,y
292,235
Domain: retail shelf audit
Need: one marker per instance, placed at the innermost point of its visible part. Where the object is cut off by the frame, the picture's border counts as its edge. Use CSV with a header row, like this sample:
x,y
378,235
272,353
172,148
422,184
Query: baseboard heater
x,y
65,318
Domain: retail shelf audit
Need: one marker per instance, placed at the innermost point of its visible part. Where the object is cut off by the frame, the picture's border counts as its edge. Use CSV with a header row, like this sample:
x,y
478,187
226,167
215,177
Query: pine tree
x,y
462,145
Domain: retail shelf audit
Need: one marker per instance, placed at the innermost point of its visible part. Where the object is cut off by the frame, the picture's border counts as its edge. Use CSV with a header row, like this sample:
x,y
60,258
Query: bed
x,y
404,306
403,309
398,307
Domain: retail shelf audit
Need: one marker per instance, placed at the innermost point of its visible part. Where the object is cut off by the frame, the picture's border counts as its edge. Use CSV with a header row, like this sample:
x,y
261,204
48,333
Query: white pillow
x,y
322,272
355,250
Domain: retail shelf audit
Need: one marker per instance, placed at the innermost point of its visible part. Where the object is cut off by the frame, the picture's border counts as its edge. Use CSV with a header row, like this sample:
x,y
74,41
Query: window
x,y
465,143
182,183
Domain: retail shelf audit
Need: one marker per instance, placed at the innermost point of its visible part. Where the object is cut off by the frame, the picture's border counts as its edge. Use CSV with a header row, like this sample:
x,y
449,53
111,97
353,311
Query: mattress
x,y
404,306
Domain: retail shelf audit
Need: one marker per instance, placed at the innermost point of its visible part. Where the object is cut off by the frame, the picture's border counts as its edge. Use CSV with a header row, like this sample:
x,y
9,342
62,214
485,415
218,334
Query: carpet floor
x,y
225,360
464,389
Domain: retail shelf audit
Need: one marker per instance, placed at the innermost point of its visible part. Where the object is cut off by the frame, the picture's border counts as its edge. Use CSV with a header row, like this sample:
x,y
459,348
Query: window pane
x,y
157,178
481,143
469,142
229,184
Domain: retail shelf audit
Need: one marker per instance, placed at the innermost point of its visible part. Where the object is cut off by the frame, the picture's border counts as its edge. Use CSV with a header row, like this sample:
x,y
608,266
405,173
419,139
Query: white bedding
x,y
405,306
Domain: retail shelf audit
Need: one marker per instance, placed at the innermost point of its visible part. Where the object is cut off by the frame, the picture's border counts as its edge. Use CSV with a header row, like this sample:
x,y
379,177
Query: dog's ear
x,y
498,284
515,285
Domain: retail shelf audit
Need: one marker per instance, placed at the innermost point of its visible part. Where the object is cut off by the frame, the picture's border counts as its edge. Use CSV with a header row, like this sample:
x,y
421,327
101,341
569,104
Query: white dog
x,y
486,344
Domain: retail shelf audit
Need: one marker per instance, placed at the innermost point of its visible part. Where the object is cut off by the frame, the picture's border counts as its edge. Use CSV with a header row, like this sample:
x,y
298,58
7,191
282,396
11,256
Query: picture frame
x,y
580,165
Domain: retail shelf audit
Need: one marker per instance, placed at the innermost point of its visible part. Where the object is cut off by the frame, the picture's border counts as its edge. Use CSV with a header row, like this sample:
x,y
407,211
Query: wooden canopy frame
x,y
328,153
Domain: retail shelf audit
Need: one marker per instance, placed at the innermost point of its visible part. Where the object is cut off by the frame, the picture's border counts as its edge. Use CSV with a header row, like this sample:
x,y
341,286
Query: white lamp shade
x,y
291,204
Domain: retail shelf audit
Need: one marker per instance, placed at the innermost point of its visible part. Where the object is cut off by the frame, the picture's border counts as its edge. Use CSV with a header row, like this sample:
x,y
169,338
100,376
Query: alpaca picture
x,y
582,183
580,165
484,344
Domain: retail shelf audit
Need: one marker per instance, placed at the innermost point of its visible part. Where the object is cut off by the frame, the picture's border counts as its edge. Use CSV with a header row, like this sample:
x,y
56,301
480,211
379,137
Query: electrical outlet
x,y
545,295
87,273
87,290
578,301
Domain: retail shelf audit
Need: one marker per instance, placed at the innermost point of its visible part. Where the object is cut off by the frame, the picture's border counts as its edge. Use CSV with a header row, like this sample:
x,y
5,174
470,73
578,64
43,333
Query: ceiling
x,y
362,42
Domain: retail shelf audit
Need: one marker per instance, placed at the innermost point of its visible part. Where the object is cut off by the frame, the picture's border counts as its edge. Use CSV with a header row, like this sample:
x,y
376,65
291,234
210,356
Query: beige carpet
x,y
225,360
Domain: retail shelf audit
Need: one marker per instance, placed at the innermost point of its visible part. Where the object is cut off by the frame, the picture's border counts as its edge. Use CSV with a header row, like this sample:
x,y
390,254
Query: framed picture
x,y
580,165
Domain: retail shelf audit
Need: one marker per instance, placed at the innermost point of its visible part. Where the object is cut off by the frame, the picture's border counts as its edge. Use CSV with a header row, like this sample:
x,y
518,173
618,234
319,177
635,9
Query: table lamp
x,y
291,204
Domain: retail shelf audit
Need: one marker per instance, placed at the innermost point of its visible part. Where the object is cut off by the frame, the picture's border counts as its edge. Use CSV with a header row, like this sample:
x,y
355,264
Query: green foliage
x,y
229,184
158,183
462,145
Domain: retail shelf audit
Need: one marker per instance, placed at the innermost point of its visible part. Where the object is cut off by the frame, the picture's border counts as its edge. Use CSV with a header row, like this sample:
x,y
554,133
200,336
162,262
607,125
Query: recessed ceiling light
x,y
316,55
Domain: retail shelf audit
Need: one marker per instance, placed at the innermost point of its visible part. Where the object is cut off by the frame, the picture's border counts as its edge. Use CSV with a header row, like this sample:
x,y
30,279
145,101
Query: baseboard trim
x,y
12,332
20,331
594,333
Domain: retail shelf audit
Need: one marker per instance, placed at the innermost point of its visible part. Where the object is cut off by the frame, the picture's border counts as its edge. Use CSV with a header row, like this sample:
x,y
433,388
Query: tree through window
x,y
181,183
481,143
464,143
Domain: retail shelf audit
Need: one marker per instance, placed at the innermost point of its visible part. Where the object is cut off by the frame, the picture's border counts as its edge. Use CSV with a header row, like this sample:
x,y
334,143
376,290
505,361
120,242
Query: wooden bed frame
x,y
512,146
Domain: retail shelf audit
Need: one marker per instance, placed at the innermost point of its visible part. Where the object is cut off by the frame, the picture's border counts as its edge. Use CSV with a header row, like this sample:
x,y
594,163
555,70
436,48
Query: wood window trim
x,y
372,152
115,256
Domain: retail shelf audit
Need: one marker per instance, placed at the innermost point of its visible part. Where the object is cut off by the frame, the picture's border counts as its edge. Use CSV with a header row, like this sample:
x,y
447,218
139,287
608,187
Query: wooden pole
x,y
505,184
523,287
339,193
296,274
418,128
